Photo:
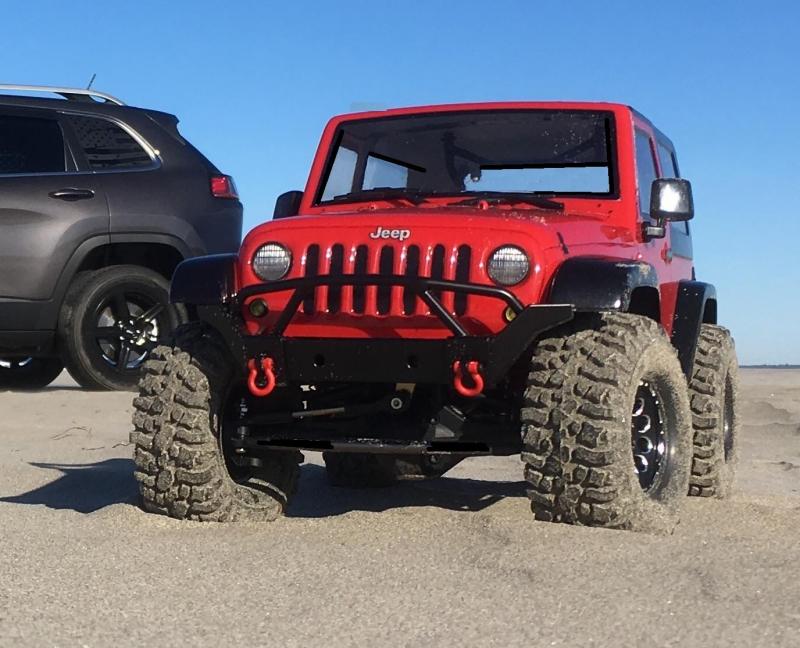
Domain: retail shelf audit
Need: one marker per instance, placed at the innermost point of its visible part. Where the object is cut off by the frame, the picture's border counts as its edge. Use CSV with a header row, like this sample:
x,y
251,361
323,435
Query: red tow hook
x,y
473,369
267,377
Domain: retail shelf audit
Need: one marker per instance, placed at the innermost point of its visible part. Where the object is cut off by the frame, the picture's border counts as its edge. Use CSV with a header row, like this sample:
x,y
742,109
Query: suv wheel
x,y
607,427
712,393
110,322
29,373
182,467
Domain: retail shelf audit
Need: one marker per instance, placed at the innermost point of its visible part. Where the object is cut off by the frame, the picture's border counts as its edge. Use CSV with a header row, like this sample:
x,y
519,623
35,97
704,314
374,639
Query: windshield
x,y
544,152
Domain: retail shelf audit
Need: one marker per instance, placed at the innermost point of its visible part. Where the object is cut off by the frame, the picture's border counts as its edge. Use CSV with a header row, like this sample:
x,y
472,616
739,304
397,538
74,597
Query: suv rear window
x,y
30,145
106,145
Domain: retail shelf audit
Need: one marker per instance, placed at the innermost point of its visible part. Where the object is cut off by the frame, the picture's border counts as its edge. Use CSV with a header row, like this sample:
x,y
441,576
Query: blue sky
x,y
254,83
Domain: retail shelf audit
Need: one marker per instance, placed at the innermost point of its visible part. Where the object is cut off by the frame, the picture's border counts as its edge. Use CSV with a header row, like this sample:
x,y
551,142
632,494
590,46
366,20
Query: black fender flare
x,y
204,281
600,284
695,304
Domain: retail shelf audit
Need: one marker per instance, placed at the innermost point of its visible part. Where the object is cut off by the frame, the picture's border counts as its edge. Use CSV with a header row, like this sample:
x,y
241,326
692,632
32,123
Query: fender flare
x,y
695,304
204,281
600,284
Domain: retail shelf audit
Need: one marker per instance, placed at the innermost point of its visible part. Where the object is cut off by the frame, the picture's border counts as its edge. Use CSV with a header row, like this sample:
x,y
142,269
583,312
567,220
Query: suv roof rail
x,y
70,94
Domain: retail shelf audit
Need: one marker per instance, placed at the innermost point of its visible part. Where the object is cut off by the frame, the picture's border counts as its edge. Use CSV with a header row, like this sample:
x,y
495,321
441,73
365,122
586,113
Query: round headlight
x,y
508,265
272,261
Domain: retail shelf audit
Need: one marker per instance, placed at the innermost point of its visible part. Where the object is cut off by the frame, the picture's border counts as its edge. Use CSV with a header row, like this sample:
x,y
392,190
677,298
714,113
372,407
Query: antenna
x,y
91,81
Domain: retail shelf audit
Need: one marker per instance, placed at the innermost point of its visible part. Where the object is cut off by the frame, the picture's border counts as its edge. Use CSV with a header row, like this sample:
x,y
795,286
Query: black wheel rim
x,y
127,325
649,441
728,420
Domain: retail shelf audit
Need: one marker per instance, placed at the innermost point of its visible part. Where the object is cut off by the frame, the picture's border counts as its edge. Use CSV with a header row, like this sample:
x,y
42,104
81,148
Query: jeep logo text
x,y
397,234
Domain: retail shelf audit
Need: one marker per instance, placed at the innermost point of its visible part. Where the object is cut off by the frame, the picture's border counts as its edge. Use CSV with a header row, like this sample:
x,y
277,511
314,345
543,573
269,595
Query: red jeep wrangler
x,y
483,279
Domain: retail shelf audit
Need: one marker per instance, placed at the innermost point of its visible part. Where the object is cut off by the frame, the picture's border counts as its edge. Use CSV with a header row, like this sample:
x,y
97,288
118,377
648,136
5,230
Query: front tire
x,y
110,321
607,426
180,462
713,391
29,373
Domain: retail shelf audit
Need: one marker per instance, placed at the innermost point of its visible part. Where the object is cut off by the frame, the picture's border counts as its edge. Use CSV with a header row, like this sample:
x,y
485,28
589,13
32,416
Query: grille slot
x,y
437,267
337,269
360,269
385,267
312,270
463,261
412,270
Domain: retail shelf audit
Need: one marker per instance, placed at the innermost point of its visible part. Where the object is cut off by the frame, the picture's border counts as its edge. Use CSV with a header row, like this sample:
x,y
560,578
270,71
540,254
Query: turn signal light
x,y
258,308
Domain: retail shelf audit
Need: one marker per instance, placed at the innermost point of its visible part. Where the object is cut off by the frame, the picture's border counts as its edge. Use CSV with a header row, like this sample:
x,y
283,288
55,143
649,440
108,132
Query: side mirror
x,y
670,200
288,204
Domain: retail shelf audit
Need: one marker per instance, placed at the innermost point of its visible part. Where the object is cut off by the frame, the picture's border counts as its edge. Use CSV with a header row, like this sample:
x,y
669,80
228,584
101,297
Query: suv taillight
x,y
222,186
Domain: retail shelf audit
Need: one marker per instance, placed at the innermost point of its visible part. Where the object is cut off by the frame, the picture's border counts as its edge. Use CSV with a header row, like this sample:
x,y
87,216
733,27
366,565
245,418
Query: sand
x,y
454,561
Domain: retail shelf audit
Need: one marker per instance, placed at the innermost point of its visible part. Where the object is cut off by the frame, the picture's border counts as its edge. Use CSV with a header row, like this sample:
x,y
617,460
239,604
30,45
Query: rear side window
x,y
645,170
106,145
667,159
31,145
669,169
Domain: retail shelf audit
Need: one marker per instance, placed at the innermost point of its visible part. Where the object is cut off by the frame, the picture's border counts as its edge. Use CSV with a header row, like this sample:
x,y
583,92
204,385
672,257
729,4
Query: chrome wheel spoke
x,y
150,314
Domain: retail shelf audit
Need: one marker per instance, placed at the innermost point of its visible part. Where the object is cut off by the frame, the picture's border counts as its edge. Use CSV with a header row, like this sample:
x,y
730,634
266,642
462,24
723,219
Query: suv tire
x,y
180,464
594,395
712,394
28,373
110,303
362,470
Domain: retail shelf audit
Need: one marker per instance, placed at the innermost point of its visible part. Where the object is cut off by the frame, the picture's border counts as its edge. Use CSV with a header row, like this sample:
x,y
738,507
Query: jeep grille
x,y
410,261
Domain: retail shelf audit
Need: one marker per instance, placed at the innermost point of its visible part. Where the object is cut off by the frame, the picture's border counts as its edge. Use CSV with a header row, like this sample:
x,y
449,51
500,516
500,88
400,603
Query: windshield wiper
x,y
413,197
498,197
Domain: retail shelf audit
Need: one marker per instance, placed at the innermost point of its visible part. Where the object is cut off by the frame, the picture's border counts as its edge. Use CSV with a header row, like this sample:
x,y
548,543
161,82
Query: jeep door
x,y
47,206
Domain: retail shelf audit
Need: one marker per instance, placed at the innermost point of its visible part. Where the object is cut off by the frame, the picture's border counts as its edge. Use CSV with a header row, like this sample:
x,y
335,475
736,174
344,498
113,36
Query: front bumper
x,y
381,360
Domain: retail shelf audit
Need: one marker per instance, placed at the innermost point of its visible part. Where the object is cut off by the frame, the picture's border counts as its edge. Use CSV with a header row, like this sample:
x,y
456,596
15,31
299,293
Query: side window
x,y
31,145
645,170
668,167
106,145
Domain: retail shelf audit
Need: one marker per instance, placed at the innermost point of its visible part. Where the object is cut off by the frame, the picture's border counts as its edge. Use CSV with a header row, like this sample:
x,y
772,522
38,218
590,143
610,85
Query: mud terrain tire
x,y
180,466
713,392
578,416
364,470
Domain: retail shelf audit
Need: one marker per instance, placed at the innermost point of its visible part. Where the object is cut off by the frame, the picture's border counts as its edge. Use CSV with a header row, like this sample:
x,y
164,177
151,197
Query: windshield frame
x,y
611,153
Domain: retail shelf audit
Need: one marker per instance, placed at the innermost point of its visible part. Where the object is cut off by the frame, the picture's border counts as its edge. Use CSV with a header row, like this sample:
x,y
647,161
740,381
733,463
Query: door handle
x,y
71,194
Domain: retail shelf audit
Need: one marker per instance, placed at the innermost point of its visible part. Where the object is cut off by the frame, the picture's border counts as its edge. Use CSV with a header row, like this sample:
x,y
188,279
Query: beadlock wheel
x,y
649,442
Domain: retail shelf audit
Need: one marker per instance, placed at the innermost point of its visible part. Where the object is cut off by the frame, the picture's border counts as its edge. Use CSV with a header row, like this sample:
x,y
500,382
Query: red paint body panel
x,y
596,227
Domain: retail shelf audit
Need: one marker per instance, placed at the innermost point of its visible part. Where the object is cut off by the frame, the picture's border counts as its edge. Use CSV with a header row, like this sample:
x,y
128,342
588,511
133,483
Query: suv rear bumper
x,y
382,360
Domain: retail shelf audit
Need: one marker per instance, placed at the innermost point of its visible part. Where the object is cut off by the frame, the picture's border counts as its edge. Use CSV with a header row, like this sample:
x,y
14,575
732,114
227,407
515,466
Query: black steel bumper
x,y
394,360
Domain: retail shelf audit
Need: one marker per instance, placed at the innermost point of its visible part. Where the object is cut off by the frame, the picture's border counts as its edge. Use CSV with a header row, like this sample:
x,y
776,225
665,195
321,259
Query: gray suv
x,y
99,202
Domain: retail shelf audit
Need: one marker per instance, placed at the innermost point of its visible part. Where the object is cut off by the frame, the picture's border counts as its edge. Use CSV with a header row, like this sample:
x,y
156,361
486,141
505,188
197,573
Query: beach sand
x,y
453,561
